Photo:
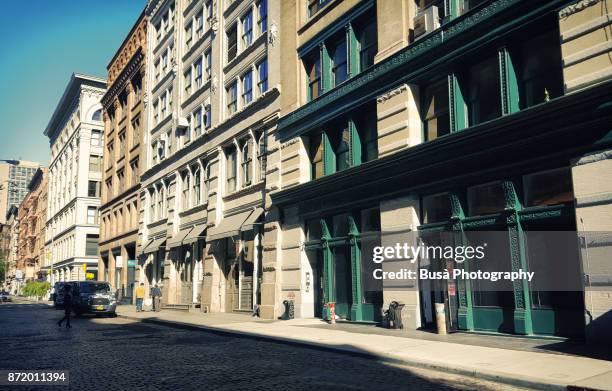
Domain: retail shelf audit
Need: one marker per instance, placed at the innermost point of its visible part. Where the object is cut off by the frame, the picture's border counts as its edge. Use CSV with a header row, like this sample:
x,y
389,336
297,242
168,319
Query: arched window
x,y
246,161
97,115
196,184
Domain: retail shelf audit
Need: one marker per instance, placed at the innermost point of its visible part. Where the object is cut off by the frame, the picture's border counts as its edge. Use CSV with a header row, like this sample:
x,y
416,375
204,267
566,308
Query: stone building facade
x,y
75,133
14,275
124,126
406,119
214,85
32,220
15,176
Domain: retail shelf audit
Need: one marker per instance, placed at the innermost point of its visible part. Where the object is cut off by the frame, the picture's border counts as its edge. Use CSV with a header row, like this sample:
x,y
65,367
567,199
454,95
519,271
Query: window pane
x,y
548,187
485,199
339,66
538,68
316,156
313,229
341,144
436,208
340,225
436,114
483,91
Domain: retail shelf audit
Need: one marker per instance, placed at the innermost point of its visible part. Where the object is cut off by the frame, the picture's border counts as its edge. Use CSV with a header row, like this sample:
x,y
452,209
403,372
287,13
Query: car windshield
x,y
95,287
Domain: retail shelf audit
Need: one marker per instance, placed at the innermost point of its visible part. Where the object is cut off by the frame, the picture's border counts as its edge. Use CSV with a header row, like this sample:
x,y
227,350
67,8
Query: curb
x,y
483,375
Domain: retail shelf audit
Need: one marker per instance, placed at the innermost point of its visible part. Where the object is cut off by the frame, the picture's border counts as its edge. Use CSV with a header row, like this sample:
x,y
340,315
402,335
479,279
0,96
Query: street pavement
x,y
122,354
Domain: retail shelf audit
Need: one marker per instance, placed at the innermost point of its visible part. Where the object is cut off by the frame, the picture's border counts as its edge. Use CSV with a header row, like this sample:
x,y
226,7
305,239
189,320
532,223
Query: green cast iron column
x,y
328,270
357,305
465,311
522,299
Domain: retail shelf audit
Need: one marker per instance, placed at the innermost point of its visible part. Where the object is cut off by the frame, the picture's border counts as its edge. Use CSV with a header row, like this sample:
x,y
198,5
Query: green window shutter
x,y
329,157
458,112
355,144
353,51
326,71
509,87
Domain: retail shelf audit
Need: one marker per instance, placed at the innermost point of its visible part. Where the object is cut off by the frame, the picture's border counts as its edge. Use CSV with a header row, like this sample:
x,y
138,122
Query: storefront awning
x,y
154,245
177,239
229,226
252,220
196,233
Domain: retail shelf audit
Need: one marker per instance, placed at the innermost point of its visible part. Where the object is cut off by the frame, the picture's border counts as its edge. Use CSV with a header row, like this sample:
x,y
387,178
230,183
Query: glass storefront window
x,y
548,187
485,199
436,208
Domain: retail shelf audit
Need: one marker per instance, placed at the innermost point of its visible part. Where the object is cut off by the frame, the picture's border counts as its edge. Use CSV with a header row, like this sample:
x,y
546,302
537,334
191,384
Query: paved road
x,y
118,354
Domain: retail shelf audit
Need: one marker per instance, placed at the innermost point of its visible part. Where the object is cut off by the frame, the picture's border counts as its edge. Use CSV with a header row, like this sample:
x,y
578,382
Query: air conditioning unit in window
x,y
426,21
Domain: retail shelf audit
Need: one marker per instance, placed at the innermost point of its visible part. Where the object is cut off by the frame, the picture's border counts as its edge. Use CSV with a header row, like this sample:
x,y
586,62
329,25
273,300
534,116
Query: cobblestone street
x,y
118,354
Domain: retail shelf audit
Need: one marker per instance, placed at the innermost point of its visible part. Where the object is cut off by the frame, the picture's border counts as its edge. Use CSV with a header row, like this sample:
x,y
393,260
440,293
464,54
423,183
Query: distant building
x,y
75,174
15,175
14,275
32,219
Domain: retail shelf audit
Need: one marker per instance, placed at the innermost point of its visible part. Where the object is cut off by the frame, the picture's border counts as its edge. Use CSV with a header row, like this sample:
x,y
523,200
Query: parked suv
x,y
95,297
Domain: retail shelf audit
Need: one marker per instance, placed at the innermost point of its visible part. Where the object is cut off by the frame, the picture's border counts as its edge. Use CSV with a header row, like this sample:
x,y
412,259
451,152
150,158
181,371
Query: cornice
x,y
135,63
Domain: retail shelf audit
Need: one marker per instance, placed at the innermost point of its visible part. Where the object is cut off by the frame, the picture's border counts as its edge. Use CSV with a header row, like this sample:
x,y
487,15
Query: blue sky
x,y
44,42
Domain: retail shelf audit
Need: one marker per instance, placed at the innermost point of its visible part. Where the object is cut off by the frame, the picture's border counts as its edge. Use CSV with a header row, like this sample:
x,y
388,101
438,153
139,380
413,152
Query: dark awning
x,y
252,220
155,245
196,233
177,239
229,226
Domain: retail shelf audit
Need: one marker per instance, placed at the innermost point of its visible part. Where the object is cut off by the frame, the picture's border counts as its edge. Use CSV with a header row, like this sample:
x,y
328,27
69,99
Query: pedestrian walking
x,y
140,294
67,306
156,296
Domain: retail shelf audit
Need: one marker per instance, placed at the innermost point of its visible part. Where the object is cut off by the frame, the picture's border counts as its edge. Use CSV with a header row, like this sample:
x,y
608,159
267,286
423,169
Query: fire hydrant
x,y
332,312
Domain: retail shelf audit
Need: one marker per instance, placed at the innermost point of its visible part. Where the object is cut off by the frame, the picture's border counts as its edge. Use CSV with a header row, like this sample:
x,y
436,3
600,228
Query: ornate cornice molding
x,y
130,69
577,7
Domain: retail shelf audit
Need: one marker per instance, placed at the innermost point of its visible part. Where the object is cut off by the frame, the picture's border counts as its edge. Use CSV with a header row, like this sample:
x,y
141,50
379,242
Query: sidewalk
x,y
524,368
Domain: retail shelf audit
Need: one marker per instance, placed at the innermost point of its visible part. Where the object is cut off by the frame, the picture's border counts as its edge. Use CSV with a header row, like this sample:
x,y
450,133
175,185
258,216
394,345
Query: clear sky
x,y
44,42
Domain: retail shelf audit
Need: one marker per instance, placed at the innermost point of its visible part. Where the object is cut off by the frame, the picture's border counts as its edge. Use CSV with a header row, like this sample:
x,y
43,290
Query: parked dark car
x,y
94,297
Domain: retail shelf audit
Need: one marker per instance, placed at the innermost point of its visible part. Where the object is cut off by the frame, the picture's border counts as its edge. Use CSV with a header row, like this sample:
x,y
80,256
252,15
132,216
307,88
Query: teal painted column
x,y
326,71
465,310
357,289
355,141
328,270
522,299
456,105
353,51
329,156
509,83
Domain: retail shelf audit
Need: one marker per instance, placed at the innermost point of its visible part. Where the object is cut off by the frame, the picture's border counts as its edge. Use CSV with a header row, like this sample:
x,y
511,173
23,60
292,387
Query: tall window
x,y
198,73
199,20
186,188
247,29
231,169
207,117
95,163
197,122
261,156
341,144
91,245
161,198
483,91
368,135
262,10
316,156
151,205
188,35
247,88
436,119
262,71
156,112
92,215
368,44
197,182
135,131
93,189
537,63
207,180
232,42
188,82
247,161
339,61
315,5
207,64
232,97
313,70
163,103
96,138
